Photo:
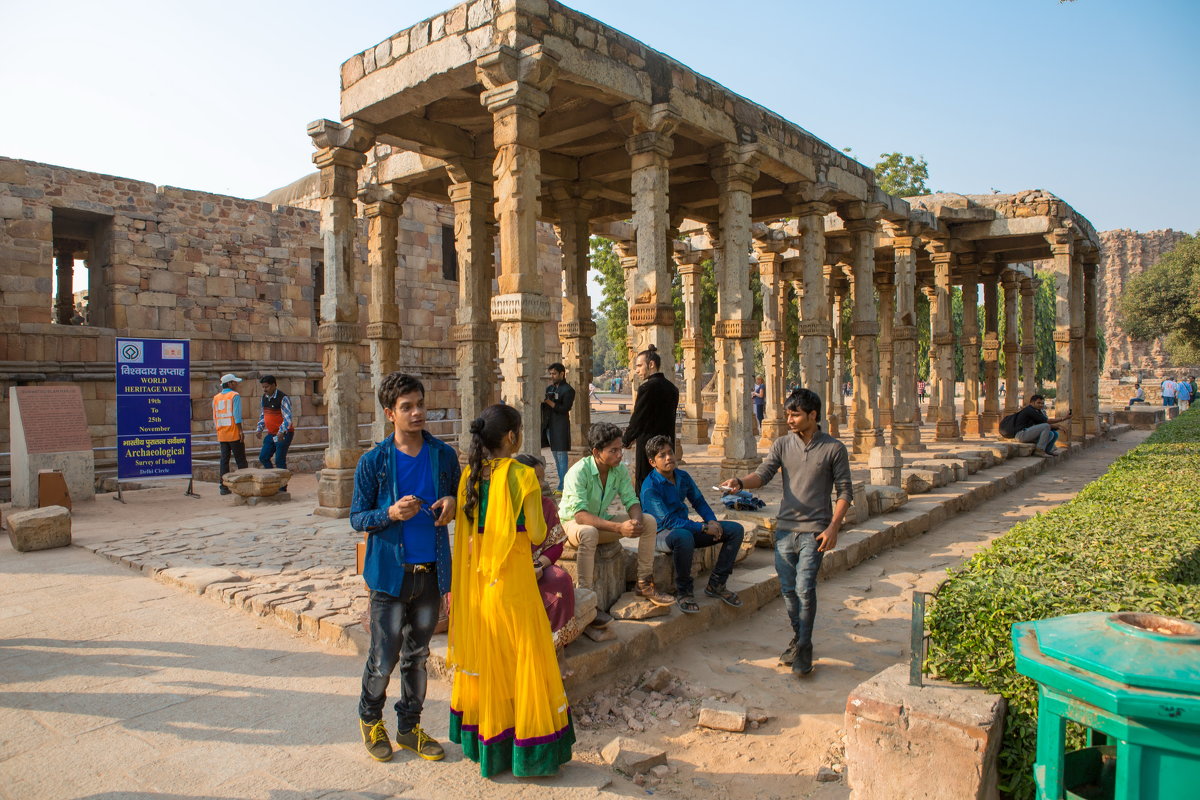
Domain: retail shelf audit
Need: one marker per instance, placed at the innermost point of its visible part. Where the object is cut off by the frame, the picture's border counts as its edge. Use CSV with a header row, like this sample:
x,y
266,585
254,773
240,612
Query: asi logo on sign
x,y
172,350
130,353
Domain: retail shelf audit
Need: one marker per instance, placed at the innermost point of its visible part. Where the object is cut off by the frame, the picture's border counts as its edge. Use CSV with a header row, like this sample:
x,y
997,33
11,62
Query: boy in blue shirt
x,y
663,494
404,490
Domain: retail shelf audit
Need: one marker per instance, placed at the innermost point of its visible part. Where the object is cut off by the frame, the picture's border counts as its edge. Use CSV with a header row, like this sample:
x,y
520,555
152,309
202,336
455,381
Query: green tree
x,y
901,175
604,357
613,307
1044,324
1164,301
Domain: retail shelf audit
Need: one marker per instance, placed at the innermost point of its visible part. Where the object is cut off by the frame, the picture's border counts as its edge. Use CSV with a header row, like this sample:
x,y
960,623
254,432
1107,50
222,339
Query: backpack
x,y
1008,426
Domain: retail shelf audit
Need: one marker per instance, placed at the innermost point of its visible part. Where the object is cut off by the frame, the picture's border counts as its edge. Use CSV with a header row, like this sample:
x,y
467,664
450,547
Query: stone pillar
x,y
720,384
906,433
382,205
651,311
473,334
694,429
970,340
576,331
989,423
886,289
1079,374
1061,246
627,254
64,276
864,333
943,341
515,92
833,395
815,329
339,156
1028,343
735,168
774,300
1091,347
931,389
1012,392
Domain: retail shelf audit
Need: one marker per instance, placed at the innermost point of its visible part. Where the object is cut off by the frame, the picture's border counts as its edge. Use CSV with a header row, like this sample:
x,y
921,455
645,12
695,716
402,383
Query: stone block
x,y
197,579
859,511
255,482
631,606
899,736
585,607
885,464
942,472
722,716
1016,448
40,529
883,499
917,481
631,756
951,469
985,457
253,500
608,580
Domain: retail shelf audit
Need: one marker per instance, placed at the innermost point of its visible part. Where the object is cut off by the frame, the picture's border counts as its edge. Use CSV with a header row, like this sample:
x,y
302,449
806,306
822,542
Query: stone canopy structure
x,y
522,111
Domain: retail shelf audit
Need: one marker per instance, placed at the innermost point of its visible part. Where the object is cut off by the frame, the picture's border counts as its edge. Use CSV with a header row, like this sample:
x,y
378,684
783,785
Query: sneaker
x,y
375,737
788,657
645,589
728,597
223,490
421,743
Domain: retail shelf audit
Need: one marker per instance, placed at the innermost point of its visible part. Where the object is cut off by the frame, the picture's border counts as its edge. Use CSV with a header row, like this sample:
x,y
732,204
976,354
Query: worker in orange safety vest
x,y
227,416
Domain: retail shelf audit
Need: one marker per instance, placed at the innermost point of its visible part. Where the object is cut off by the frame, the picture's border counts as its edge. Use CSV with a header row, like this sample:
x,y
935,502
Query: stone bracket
x,y
383,330
577,329
864,328
473,332
814,327
339,333
904,333
643,315
735,329
520,307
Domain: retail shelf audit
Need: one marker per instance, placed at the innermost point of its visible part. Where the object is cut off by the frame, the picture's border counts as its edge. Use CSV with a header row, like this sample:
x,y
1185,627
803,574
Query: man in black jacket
x,y
556,425
653,413
1034,427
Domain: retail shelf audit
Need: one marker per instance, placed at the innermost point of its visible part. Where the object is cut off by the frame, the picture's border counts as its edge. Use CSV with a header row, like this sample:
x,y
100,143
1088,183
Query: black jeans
x,y
238,451
401,628
682,545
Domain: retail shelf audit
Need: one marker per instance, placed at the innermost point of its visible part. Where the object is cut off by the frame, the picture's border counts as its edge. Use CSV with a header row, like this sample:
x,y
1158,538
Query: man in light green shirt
x,y
589,488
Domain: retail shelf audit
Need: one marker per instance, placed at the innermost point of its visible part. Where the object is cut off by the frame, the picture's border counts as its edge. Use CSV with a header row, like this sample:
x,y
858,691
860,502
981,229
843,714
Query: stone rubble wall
x,y
234,276
1123,255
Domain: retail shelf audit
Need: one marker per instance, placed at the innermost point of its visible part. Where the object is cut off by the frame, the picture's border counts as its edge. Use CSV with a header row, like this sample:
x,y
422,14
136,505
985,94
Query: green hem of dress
x,y
528,761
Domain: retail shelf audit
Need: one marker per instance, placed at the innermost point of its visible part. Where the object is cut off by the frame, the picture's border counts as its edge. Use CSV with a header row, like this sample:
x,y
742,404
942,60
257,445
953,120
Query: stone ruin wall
x,y
234,276
1124,254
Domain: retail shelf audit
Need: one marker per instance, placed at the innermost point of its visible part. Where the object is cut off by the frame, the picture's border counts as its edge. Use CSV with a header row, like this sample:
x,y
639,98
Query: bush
x,y
1130,541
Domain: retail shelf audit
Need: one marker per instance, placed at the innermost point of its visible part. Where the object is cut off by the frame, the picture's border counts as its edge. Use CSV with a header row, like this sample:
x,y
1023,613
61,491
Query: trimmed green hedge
x,y
1130,541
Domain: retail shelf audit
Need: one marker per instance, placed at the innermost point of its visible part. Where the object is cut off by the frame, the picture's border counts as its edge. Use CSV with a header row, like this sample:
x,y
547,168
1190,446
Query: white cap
x,y
228,377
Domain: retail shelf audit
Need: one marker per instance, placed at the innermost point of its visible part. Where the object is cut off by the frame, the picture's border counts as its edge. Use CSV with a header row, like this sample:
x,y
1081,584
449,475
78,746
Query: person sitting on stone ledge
x,y
1139,396
663,494
591,485
1032,425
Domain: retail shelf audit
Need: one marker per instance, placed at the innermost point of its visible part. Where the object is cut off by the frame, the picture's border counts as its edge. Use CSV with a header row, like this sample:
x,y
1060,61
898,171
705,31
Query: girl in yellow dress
x,y
508,709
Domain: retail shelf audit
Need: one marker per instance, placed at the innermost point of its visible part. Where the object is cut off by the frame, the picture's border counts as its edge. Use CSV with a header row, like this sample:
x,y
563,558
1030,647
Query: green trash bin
x,y
1133,680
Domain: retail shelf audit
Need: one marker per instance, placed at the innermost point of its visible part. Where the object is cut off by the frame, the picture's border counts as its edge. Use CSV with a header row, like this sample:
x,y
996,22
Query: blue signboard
x,y
154,408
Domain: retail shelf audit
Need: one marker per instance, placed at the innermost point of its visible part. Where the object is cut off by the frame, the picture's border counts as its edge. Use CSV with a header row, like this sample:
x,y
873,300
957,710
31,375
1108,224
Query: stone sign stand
x,y
49,431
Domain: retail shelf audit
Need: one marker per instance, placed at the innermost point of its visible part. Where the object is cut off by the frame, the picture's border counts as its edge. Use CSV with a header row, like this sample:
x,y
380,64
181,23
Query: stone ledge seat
x,y
252,486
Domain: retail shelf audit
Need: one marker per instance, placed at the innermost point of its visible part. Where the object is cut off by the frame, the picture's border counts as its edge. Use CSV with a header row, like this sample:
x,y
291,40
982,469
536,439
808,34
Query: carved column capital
x,y
517,78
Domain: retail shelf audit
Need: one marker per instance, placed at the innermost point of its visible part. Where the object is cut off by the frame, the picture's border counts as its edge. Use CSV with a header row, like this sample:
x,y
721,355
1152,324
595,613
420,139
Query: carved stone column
x,y
627,254
382,205
815,329
1028,343
774,300
886,289
943,341
970,342
931,389
694,428
1079,374
515,92
720,384
64,276
339,156
906,433
989,421
838,286
735,168
864,331
474,334
1091,347
1061,246
651,312
577,330
1012,392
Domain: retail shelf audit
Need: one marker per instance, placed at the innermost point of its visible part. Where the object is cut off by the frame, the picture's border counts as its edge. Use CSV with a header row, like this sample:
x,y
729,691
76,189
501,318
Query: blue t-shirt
x,y
415,476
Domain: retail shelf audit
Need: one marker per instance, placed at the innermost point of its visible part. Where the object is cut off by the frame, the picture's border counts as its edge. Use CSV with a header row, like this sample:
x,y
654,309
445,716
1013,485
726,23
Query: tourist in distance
x,y
227,417
404,497
814,466
554,582
758,397
592,484
1139,396
1168,387
508,708
663,496
653,412
556,422
1183,395
276,424
1032,425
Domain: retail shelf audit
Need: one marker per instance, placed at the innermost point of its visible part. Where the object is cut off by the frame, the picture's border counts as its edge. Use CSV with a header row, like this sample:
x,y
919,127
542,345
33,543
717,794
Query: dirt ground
x,y
862,627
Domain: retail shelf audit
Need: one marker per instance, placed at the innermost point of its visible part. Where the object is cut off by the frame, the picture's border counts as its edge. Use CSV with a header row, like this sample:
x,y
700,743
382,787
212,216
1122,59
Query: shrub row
x,y
1130,541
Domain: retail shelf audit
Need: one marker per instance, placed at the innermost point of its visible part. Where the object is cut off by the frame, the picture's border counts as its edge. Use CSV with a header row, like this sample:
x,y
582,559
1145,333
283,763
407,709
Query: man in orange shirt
x,y
227,416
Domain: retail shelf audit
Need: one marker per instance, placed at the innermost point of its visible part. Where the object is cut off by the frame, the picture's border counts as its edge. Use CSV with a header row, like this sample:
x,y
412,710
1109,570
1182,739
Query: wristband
x,y
741,484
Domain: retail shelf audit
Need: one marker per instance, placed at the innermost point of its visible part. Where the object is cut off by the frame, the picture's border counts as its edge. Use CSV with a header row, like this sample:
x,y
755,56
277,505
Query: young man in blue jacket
x,y
404,491
663,494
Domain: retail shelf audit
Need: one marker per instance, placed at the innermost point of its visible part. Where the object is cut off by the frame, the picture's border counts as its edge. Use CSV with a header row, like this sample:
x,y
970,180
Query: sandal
x,y
688,604
730,598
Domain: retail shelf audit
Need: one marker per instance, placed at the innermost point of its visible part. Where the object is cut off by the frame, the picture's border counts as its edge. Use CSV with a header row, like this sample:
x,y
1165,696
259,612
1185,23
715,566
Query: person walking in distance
x,y
758,396
815,465
556,422
404,497
227,417
653,412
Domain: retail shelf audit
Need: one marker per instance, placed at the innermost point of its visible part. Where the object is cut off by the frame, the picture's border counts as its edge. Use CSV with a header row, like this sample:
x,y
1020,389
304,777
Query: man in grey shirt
x,y
815,465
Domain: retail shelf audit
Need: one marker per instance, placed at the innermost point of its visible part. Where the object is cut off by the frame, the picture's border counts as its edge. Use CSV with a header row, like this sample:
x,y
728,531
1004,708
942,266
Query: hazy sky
x,y
1097,101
